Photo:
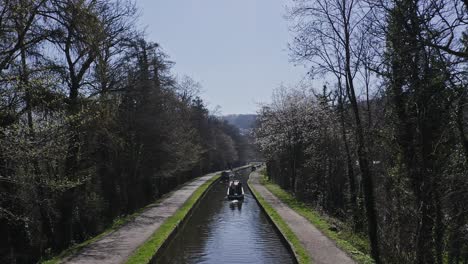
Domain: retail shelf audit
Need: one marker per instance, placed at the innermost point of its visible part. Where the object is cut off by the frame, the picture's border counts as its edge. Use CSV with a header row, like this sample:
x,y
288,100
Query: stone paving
x,y
321,249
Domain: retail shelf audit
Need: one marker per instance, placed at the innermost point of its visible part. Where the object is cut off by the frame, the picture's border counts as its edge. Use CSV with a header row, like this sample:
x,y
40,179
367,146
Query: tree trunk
x,y
349,163
461,123
27,90
362,153
439,229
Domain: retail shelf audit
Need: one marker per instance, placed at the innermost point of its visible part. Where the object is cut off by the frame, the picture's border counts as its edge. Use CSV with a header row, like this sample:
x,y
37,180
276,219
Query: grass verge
x,y
146,251
301,254
356,245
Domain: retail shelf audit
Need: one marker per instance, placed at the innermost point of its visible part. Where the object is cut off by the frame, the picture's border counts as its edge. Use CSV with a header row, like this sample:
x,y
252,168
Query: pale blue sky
x,y
237,49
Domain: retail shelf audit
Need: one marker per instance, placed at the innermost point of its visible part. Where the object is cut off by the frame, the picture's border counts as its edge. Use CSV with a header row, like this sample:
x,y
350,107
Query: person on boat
x,y
239,187
231,188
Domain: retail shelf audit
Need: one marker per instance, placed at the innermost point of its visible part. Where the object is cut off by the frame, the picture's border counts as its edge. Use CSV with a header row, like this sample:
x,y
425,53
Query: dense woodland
x,y
383,144
93,124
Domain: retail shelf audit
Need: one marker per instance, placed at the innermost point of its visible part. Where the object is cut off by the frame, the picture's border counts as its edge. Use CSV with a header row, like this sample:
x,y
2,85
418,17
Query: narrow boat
x,y
235,190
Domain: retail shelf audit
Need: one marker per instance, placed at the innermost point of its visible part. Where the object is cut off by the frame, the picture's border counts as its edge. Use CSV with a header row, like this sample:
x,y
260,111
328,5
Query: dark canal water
x,y
220,232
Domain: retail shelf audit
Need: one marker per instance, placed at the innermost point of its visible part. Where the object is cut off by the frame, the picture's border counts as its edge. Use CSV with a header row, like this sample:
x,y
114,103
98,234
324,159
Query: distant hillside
x,y
243,122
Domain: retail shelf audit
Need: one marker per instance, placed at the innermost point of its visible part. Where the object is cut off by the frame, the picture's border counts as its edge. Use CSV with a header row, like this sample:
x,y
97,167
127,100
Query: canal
x,y
221,232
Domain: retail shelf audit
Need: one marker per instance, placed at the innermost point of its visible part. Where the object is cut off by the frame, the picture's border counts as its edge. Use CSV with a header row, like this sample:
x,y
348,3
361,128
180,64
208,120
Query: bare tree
x,y
17,20
329,36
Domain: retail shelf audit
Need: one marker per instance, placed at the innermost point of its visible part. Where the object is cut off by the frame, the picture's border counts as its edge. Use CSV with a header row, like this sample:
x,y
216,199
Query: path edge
x,y
183,221
67,254
289,245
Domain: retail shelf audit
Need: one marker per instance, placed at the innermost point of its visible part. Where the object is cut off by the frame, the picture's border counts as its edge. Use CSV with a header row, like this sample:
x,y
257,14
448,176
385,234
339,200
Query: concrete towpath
x,y
118,245
321,249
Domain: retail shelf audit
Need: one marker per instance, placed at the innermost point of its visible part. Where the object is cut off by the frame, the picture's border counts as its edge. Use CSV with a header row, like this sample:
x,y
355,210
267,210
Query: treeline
x,y
384,144
93,125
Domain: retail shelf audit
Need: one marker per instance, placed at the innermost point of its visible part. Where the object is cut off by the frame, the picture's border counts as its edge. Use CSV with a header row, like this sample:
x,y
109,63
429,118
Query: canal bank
x,y
151,250
118,245
226,231
319,247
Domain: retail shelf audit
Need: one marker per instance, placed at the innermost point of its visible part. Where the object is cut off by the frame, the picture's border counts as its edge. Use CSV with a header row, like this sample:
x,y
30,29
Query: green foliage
x,y
401,75
93,124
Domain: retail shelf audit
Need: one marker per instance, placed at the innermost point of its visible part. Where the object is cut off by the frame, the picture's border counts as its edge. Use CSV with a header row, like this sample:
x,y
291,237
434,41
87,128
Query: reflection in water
x,y
222,231
236,204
